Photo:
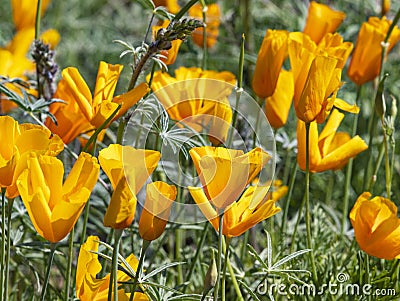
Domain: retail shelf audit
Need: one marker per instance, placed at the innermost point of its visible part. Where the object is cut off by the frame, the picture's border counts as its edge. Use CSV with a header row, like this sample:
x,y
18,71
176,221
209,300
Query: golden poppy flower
x,y
213,16
272,54
317,75
55,207
171,53
197,98
278,105
376,226
24,12
385,7
91,288
328,150
365,62
156,209
98,108
224,173
321,20
17,141
70,120
254,206
128,169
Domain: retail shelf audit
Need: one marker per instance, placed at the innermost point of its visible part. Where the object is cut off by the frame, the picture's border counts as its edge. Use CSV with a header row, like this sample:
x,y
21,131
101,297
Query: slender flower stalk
x,y
53,247
308,213
37,23
289,197
7,271
227,242
69,264
219,256
145,246
349,169
113,285
3,241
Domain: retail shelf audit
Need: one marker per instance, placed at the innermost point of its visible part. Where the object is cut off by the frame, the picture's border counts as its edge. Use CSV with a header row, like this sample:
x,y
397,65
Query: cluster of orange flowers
x,y
317,57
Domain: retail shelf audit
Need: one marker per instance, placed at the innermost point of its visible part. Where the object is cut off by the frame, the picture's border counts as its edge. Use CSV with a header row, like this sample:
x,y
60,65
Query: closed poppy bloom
x,y
55,207
317,76
91,288
198,98
322,19
171,53
156,210
224,173
255,205
329,150
24,12
17,141
277,106
365,62
376,226
272,54
213,16
98,109
128,169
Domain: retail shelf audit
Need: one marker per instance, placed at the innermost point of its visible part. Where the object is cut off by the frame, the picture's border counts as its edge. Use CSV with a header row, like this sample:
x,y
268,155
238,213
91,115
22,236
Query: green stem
x,y
184,9
299,215
113,285
349,170
204,61
145,245
239,91
233,278
244,245
196,255
372,133
307,200
7,273
37,22
47,277
228,240
69,264
3,241
367,271
289,197
93,138
85,221
377,166
220,239
387,162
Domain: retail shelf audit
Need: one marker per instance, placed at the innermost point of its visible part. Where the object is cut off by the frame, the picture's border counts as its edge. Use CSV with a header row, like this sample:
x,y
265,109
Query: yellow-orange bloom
x,y
213,16
254,206
55,207
224,173
197,98
321,20
328,150
272,54
128,169
365,63
159,199
17,141
277,106
317,74
171,5
385,7
70,120
90,288
376,226
24,12
171,53
99,108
